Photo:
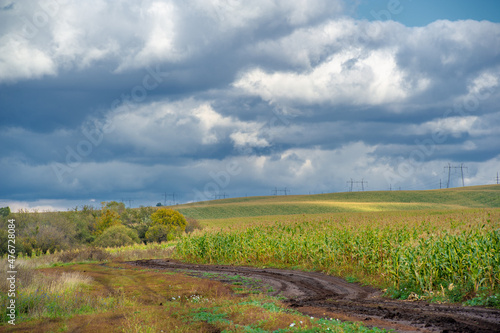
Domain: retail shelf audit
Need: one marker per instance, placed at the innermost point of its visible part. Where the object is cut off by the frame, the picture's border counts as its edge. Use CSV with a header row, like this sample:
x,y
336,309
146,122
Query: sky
x,y
179,101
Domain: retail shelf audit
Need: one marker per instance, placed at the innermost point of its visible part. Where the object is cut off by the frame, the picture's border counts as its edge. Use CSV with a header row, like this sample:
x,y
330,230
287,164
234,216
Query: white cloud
x,y
349,77
18,59
455,126
292,54
38,205
179,128
242,139
74,34
374,63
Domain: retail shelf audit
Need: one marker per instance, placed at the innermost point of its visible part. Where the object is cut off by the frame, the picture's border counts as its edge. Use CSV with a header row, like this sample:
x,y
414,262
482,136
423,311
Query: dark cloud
x,y
127,100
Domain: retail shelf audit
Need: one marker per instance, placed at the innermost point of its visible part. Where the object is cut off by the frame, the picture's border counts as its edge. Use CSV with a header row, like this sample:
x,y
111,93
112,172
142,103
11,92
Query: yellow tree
x,y
107,219
165,221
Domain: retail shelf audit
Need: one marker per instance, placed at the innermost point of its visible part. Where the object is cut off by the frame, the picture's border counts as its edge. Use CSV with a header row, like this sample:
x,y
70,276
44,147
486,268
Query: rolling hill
x,y
487,196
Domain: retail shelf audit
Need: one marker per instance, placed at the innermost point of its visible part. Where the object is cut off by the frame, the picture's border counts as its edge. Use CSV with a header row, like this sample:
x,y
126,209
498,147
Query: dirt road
x,y
320,295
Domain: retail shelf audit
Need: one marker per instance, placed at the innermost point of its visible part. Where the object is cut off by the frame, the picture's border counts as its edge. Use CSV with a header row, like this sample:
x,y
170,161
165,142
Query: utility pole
x,y
277,191
449,171
497,178
461,167
462,171
220,196
351,182
362,182
169,195
440,184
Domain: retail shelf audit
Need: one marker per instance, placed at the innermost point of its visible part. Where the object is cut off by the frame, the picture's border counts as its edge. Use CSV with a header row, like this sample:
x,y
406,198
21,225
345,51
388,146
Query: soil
x,y
323,296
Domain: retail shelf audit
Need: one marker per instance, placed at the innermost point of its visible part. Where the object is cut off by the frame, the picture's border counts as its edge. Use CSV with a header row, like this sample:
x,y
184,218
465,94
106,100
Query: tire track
x,y
323,295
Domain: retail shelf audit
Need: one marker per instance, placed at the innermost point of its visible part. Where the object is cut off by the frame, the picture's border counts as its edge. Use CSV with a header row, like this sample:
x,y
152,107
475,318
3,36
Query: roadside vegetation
x,y
112,296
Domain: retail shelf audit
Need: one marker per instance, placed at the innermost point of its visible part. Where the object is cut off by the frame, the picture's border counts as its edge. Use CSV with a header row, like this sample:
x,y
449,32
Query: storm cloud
x,y
121,100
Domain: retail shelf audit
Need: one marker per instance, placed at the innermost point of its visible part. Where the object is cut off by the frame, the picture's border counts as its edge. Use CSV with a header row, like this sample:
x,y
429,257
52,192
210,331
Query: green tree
x,y
117,235
118,207
108,219
172,221
4,211
169,218
159,233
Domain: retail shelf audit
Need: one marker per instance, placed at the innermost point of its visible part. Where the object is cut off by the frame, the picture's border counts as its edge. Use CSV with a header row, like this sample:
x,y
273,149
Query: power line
x,y
129,202
276,191
461,167
168,196
220,196
362,182
351,182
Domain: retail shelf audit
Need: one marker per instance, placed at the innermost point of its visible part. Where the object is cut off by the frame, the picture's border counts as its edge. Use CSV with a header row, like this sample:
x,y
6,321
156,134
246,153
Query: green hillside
x,y
487,196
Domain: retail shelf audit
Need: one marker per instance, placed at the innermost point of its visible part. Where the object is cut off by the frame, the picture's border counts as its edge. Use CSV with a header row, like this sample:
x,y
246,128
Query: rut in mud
x,y
322,295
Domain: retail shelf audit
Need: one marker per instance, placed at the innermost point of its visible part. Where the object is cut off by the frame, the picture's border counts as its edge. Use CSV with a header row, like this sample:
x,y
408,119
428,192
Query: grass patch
x,y
153,300
55,296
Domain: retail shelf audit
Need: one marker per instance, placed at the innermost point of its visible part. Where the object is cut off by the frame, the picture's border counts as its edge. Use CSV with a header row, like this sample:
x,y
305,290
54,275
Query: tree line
x,y
110,226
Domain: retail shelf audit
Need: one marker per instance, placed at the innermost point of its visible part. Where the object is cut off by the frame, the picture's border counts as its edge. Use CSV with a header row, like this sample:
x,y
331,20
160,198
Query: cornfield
x,y
459,257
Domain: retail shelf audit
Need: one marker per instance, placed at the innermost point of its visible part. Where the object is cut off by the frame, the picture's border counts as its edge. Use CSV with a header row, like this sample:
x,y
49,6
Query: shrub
x,y
117,235
108,219
161,233
169,218
5,211
166,225
90,253
49,238
192,225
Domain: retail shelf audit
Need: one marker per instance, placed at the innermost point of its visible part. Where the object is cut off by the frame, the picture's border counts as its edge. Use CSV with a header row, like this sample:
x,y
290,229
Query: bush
x,y
90,253
116,236
108,219
166,225
169,218
161,233
192,225
5,211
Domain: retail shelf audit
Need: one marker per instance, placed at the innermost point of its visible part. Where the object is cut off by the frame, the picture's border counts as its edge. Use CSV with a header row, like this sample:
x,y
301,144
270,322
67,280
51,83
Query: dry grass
x,y
43,294
156,300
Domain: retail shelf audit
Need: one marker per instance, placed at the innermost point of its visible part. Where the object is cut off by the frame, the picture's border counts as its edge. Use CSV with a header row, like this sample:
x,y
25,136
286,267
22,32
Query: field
x,y
450,254
436,246
460,198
